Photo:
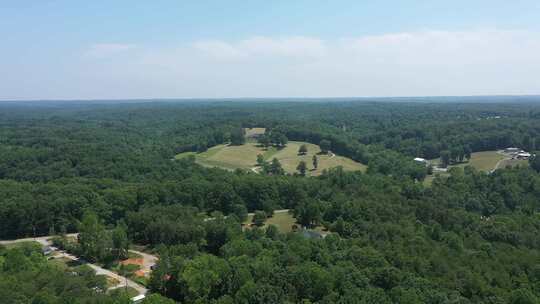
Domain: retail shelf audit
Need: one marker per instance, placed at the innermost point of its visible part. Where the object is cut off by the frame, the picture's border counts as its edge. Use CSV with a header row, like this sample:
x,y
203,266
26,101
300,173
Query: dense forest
x,y
469,237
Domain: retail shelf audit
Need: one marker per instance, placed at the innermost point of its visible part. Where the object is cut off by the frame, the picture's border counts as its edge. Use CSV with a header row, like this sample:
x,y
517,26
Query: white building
x,y
523,155
511,150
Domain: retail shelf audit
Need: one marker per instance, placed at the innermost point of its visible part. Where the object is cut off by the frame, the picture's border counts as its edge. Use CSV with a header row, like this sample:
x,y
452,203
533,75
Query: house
x,y
511,150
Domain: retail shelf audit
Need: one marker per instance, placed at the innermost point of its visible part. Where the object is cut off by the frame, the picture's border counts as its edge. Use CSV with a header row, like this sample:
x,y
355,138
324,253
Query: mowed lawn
x,y
284,221
245,157
482,161
513,163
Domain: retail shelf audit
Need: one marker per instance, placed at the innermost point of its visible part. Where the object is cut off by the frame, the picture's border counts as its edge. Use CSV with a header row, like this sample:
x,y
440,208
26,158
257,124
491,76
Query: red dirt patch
x,y
140,273
139,262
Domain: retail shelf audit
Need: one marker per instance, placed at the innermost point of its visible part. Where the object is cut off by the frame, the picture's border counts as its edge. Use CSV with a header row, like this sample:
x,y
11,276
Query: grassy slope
x,y
245,156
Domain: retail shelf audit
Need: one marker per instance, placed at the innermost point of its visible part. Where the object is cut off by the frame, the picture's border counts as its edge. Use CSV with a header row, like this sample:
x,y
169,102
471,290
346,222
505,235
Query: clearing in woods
x,y
245,157
483,161
284,221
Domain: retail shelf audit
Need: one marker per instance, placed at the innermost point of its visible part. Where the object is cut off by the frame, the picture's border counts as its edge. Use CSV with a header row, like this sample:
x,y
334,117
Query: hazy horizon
x,y
62,50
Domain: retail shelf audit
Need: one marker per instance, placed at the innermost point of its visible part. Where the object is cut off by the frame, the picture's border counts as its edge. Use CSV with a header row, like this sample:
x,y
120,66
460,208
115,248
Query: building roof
x,y
138,298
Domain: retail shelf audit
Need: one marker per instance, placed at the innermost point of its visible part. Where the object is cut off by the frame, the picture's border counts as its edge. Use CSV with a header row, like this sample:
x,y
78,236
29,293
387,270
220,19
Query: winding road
x,y
148,262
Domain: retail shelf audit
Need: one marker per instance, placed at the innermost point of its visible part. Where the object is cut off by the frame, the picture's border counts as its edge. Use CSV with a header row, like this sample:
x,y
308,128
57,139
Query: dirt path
x,y
506,157
123,281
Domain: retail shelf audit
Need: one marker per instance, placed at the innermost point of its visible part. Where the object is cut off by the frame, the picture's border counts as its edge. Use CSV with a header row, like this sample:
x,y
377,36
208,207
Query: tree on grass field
x,y
302,167
315,161
274,168
325,145
238,137
264,141
260,160
303,150
445,158
259,218
283,140
467,151
273,138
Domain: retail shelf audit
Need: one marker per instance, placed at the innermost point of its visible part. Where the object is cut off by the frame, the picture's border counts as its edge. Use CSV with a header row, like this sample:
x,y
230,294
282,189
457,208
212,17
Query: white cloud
x,y
476,62
263,47
107,49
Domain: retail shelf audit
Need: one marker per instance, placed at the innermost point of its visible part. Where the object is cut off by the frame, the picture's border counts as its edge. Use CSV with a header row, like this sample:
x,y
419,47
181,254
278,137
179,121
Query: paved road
x,y
43,240
149,260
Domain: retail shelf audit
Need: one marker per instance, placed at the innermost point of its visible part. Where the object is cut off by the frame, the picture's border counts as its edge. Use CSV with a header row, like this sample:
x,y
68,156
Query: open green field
x,y
245,157
482,161
513,163
282,220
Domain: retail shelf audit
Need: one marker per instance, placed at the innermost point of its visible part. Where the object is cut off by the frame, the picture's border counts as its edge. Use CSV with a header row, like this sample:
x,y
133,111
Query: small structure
x,y
47,250
138,299
421,160
523,155
511,150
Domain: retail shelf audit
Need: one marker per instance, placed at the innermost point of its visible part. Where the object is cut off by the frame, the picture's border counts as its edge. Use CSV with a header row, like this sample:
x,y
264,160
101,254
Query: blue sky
x,y
177,49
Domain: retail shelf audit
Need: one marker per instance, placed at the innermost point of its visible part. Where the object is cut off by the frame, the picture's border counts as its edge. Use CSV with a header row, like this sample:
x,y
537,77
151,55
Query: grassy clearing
x,y
482,161
513,163
130,291
22,245
485,161
283,221
62,263
245,157
254,131
185,155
